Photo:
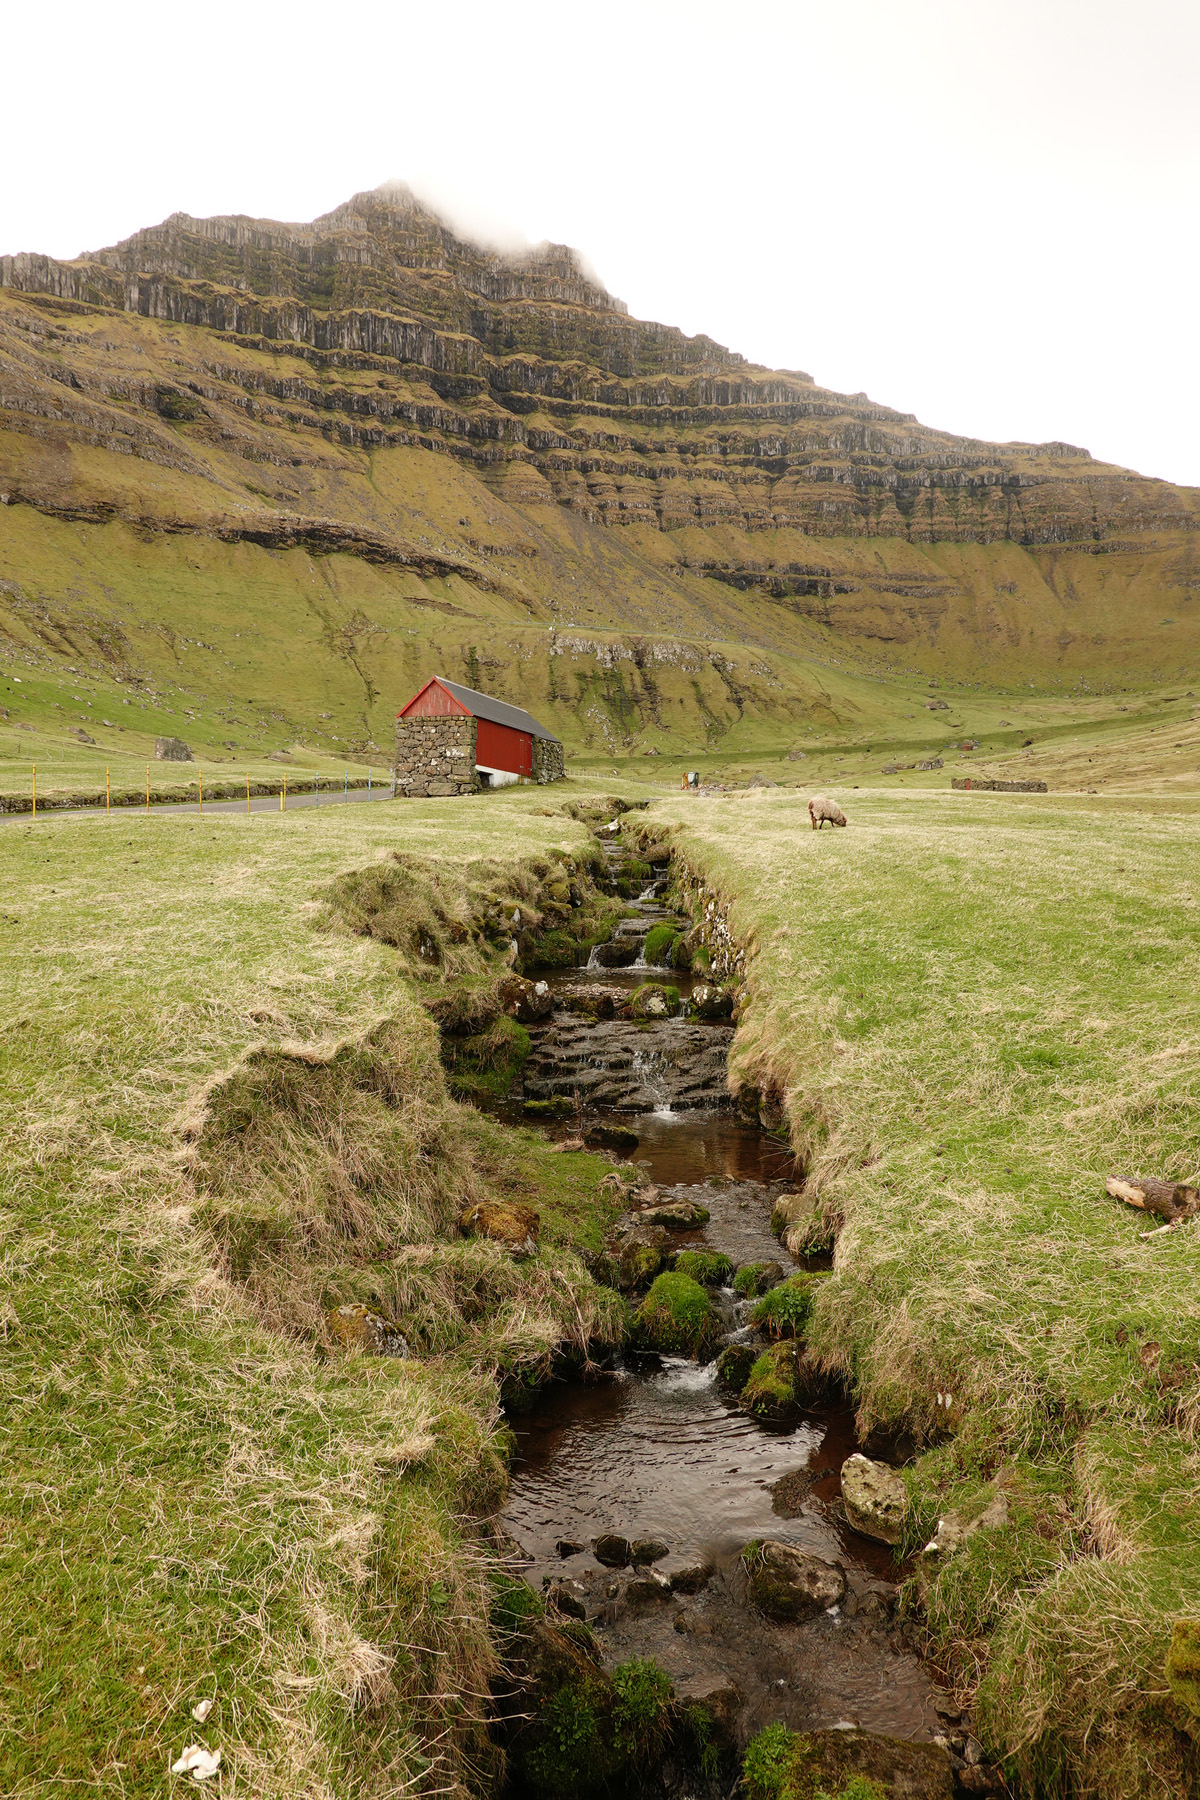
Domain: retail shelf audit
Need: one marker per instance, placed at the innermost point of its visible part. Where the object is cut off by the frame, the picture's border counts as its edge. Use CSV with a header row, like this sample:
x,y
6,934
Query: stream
x,y
656,1448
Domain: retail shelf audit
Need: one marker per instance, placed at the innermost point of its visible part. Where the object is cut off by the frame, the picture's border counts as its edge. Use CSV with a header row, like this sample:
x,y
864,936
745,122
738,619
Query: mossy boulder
x,y
610,1137
654,1000
843,1765
734,1365
788,1583
711,1002
640,1256
676,1315
680,1214
525,1001
709,1267
360,1327
785,1311
583,1732
1183,1666
506,1222
769,1393
661,946
757,1278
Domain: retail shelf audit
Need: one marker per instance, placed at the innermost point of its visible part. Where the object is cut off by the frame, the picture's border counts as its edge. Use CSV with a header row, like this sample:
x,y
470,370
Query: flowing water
x,y
655,1448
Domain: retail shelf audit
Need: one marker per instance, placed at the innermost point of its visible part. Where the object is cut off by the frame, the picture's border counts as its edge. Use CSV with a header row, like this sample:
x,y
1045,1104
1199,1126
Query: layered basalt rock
x,y
263,365
528,358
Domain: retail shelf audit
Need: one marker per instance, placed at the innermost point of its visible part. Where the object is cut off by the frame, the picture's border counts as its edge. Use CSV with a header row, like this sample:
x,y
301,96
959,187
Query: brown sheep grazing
x,y
821,807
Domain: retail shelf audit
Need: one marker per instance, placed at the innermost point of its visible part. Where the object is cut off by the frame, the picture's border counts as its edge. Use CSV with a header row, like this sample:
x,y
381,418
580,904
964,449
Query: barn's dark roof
x,y
498,711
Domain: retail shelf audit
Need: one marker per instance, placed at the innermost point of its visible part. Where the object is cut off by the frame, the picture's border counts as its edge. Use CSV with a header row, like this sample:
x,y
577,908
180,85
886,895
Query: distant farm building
x,y
453,740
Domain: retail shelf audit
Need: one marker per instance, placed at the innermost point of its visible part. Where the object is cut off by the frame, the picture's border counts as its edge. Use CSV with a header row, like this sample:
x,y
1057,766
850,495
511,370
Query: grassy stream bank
x,y
230,1149
969,1013
227,1118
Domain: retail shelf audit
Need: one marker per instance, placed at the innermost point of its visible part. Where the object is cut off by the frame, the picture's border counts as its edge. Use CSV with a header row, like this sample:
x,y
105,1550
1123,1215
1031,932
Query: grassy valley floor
x,y
973,1009
225,1114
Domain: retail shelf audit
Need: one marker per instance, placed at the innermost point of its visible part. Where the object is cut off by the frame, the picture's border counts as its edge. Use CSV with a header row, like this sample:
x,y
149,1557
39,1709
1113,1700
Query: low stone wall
x,y
549,764
977,784
436,757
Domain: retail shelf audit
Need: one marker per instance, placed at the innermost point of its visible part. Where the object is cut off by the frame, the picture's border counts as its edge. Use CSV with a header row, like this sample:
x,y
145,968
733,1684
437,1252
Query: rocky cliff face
x,y
251,379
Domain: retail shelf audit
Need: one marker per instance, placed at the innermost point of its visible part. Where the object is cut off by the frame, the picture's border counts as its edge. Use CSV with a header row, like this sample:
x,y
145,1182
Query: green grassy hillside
x,y
266,479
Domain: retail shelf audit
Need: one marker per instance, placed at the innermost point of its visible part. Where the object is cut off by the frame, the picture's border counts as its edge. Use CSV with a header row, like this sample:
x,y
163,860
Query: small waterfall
x,y
647,1068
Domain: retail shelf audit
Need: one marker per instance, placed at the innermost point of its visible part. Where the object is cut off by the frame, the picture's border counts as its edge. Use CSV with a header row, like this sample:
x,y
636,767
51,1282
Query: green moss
x,y
770,1390
643,999
708,1267
571,1756
755,1278
1183,1665
659,949
485,1066
597,1735
734,1365
676,1315
780,1764
785,1311
699,1734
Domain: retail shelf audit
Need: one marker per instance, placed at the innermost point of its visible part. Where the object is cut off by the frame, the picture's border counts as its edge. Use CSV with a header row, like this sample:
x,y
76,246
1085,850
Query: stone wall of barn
x,y
435,757
549,763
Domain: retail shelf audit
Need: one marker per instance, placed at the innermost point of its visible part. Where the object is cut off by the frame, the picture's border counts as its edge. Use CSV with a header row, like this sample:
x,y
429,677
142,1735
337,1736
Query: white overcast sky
x,y
983,215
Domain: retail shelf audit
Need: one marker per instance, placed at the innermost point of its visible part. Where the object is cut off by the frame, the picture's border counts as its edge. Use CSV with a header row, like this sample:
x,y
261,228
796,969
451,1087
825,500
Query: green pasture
x,y
202,1070
975,1008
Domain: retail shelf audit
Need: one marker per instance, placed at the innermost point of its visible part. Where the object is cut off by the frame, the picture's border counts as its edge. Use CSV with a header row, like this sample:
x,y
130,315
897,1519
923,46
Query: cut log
x,y
1169,1200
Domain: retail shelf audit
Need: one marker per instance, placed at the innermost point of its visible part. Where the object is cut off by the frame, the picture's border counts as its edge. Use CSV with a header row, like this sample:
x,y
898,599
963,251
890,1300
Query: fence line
x,y
13,804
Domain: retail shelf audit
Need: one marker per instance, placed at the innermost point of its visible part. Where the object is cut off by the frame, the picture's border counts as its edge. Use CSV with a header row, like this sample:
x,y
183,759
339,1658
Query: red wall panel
x,y
433,703
500,747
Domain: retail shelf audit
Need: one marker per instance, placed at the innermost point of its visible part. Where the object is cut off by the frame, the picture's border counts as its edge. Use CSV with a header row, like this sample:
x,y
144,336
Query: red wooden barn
x,y
505,736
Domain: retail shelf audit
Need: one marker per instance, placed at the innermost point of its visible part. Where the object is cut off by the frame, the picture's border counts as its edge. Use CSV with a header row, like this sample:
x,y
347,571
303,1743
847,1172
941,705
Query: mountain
x,y
301,467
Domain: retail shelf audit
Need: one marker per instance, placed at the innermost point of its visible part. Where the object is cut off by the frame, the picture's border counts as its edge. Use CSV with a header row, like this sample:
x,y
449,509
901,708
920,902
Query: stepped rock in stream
x,y
667,1062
